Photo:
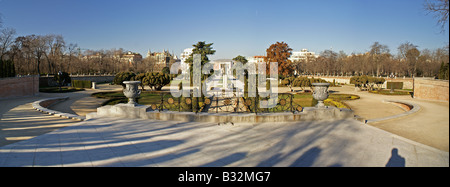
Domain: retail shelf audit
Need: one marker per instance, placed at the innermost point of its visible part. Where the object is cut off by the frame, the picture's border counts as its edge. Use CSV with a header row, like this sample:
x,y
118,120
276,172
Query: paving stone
x,y
112,142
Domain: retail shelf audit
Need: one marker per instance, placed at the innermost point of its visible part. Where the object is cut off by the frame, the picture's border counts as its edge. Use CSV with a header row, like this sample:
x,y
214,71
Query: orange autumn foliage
x,y
279,52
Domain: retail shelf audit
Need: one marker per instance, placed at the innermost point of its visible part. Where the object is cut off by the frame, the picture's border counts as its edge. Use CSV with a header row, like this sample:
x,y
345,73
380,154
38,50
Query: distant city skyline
x,y
235,27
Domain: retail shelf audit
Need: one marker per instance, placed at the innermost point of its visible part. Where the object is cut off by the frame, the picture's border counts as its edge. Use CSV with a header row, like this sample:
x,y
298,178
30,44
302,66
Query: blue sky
x,y
244,27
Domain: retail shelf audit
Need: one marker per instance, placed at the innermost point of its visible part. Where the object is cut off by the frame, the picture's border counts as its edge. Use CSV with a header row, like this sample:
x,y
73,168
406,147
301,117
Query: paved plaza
x,y
30,138
127,142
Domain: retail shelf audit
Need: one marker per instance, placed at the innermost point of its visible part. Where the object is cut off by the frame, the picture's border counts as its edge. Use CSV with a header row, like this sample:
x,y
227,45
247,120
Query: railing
x,y
224,104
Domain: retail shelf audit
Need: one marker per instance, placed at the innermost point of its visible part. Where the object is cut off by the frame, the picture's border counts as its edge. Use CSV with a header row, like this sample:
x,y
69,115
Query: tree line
x,y
49,54
378,61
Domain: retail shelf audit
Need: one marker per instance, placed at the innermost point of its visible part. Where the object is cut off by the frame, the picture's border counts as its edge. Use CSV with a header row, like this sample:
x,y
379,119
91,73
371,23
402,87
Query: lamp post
x,y
59,80
392,85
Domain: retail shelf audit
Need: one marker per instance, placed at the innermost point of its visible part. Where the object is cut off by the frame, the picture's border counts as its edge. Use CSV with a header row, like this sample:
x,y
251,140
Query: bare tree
x,y
327,61
341,68
72,50
38,49
29,52
6,40
55,46
440,10
412,57
379,53
404,48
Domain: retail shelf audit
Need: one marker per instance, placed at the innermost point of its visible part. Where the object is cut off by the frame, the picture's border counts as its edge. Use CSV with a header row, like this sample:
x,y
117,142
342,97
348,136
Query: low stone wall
x,y
407,82
431,89
144,112
48,81
98,79
19,87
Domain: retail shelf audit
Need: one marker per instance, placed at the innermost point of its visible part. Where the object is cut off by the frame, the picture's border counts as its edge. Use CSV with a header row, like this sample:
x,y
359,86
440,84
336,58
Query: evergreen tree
x,y
1,69
7,69
13,69
203,49
444,71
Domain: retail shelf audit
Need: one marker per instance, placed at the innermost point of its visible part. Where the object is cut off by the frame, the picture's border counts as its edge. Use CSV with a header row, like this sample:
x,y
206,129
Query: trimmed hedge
x,y
123,76
395,85
7,69
81,84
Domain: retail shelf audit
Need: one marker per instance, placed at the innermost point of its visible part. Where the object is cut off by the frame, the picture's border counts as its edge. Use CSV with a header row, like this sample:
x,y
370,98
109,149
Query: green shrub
x,y
302,82
375,80
62,79
123,76
156,80
359,81
7,69
81,84
166,70
444,71
140,77
306,82
388,92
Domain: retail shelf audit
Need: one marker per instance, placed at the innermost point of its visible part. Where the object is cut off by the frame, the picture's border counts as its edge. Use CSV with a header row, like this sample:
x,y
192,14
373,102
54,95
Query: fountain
x,y
285,109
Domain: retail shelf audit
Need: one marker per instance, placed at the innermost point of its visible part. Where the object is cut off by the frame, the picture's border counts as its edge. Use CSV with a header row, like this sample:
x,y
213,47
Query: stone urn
x,y
320,93
132,91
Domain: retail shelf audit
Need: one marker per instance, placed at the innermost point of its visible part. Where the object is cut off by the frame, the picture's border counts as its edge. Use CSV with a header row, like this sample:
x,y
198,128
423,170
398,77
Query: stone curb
x,y
38,106
414,108
144,112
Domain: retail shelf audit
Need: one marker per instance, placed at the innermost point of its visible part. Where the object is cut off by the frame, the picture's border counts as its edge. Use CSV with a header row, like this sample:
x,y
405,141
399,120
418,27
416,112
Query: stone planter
x,y
320,93
132,91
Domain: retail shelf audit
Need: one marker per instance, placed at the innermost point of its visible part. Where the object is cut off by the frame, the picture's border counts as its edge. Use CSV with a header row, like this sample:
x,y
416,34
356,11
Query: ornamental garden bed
x,y
388,92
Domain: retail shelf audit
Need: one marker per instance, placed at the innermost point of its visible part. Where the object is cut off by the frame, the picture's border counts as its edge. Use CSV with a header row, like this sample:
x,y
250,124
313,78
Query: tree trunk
x,y
38,68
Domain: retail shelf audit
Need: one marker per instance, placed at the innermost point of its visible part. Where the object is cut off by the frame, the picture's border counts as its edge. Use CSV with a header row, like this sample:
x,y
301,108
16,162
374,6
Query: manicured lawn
x,y
337,100
304,99
146,98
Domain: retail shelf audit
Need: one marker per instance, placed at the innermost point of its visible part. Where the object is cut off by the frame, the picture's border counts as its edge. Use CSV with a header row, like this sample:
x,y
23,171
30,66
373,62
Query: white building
x,y
183,57
255,60
302,55
185,54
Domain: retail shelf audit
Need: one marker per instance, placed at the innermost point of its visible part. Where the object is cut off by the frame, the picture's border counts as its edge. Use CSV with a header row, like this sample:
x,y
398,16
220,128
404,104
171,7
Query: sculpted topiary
x,y
123,76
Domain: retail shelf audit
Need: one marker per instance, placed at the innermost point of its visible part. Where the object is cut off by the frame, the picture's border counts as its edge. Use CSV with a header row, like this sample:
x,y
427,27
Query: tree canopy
x,y
280,52
241,59
203,49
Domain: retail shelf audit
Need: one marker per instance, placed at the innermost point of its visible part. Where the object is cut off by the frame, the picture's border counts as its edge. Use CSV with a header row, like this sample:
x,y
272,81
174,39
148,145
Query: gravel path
x,y
430,125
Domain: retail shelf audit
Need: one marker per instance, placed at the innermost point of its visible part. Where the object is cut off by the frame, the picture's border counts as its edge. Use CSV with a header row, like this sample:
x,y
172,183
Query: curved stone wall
x,y
43,104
